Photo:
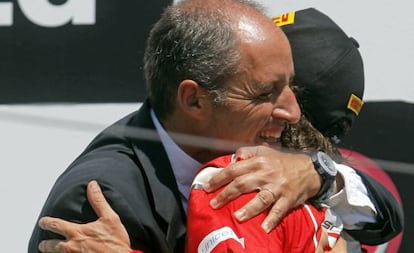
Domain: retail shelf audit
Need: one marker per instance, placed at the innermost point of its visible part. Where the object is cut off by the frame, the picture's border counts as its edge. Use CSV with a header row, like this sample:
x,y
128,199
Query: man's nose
x,y
287,107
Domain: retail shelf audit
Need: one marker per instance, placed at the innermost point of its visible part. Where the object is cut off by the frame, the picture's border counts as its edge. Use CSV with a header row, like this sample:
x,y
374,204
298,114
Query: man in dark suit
x,y
218,76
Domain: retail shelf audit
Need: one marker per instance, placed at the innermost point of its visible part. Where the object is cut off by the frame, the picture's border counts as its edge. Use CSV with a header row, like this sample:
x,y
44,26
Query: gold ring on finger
x,y
267,189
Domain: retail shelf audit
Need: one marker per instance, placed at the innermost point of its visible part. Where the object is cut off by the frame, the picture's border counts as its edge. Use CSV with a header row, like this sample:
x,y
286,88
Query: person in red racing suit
x,y
218,231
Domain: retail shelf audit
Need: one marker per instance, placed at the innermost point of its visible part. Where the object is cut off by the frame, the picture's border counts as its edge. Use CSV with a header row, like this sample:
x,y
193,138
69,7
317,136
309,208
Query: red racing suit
x,y
210,230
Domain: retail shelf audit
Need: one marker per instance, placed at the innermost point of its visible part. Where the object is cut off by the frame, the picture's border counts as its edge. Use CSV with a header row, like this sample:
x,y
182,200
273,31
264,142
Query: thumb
x,y
97,200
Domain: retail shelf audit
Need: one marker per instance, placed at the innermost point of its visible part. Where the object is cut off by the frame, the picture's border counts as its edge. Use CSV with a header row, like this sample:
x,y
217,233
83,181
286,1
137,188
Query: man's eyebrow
x,y
264,86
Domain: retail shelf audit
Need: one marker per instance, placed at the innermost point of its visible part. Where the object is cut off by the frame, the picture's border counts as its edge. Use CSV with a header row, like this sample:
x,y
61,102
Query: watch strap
x,y
319,201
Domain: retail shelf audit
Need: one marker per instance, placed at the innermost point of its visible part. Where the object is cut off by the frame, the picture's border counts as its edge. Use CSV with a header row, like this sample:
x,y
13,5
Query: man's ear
x,y
192,99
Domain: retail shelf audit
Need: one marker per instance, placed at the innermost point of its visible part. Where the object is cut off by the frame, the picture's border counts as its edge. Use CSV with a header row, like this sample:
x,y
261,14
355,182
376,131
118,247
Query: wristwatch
x,y
325,167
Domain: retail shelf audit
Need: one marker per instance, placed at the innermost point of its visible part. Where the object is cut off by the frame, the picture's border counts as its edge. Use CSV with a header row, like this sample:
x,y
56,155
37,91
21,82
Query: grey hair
x,y
196,40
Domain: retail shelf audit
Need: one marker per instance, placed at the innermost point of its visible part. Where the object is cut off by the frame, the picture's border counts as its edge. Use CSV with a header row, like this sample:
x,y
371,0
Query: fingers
x,y
226,195
265,199
226,176
51,246
281,183
279,210
57,226
258,205
97,200
243,183
340,246
243,176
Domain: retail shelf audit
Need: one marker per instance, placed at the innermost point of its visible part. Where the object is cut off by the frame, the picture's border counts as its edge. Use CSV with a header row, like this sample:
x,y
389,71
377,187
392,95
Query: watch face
x,y
327,163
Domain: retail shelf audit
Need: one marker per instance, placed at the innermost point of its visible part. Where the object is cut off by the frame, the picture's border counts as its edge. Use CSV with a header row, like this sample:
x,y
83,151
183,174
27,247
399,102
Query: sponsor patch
x,y
284,19
214,238
355,104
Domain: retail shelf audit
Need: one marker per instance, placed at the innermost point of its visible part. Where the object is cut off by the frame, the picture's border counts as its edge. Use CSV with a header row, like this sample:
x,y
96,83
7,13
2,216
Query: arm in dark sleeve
x,y
389,219
118,181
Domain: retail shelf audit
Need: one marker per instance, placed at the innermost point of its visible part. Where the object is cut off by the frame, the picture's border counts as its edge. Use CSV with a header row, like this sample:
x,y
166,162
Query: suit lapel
x,y
164,189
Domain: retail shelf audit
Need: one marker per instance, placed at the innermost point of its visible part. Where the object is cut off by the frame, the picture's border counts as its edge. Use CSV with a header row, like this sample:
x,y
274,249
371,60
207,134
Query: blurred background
x,y
69,68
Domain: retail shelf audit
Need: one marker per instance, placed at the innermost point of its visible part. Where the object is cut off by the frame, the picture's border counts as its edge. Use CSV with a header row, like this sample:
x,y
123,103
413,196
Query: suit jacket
x,y
137,180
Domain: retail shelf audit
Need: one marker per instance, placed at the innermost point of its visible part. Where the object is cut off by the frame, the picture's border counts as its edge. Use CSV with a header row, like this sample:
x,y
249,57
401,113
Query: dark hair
x,y
190,41
304,137
340,128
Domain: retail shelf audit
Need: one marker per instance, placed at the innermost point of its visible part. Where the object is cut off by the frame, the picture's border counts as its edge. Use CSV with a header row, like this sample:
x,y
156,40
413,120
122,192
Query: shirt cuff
x,y
352,203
